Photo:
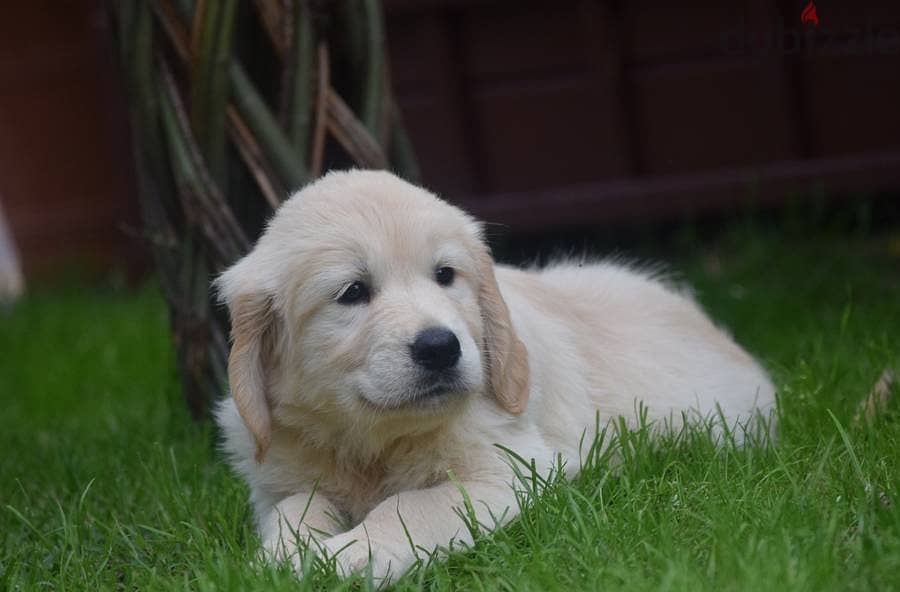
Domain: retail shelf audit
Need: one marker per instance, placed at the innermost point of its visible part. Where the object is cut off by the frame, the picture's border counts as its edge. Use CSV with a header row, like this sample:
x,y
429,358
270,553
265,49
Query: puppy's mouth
x,y
428,393
433,388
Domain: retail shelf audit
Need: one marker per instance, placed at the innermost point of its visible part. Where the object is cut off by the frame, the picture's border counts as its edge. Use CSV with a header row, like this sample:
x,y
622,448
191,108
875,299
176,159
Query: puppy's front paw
x,y
296,551
353,553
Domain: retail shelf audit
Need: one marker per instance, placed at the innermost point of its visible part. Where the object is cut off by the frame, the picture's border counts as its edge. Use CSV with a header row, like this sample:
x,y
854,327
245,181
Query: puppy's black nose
x,y
436,348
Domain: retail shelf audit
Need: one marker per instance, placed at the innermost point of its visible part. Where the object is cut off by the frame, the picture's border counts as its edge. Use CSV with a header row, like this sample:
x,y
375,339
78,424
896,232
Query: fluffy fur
x,y
328,421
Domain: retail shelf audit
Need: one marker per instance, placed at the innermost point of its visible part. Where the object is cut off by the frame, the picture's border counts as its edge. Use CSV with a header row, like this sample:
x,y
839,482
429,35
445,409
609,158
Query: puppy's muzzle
x,y
435,349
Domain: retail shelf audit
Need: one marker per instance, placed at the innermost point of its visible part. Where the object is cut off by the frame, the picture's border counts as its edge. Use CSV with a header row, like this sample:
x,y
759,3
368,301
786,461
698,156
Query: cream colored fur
x,y
324,422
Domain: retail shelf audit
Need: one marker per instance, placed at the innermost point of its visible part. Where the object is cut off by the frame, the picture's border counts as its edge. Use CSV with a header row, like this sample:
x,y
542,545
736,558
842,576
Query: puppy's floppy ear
x,y
507,358
252,335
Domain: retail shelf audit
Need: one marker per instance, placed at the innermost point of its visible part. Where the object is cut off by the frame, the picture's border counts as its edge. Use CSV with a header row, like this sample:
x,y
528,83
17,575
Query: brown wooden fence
x,y
552,113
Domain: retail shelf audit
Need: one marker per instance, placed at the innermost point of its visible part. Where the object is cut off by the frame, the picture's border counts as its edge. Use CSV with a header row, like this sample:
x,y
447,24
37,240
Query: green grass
x,y
105,483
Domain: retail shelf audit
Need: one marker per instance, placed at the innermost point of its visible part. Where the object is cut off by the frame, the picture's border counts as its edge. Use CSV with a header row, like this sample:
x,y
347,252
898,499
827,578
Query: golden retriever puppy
x,y
379,356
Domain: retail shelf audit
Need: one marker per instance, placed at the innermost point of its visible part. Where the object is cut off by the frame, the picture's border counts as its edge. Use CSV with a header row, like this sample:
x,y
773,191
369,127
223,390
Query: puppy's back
x,y
637,338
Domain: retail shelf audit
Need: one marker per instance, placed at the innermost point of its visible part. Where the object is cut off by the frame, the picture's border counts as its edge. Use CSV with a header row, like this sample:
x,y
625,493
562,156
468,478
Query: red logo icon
x,y
808,15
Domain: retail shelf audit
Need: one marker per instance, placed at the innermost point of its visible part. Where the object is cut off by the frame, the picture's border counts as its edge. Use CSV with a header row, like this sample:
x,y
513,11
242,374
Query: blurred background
x,y
565,117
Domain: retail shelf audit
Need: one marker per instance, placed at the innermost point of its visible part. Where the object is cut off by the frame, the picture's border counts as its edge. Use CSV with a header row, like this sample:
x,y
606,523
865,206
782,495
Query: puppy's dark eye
x,y
444,275
356,293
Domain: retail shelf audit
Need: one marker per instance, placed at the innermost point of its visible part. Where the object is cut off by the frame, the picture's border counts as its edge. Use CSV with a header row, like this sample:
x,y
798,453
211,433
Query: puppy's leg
x,y
428,517
304,517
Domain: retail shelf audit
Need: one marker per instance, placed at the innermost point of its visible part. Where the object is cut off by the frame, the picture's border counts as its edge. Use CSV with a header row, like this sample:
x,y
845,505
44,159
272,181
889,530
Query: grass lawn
x,y
105,483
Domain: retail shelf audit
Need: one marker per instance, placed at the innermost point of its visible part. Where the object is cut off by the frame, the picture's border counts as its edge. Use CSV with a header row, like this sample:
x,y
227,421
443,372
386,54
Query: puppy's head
x,y
368,299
